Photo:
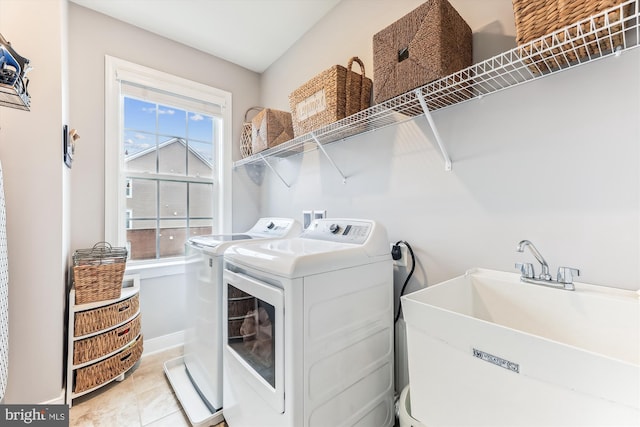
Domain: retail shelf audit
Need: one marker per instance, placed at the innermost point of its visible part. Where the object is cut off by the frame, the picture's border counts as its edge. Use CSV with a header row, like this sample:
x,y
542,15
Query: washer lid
x,y
311,253
216,239
265,228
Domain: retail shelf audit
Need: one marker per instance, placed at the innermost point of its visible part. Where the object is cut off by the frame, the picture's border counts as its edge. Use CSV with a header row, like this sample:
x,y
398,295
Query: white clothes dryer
x,y
196,377
309,329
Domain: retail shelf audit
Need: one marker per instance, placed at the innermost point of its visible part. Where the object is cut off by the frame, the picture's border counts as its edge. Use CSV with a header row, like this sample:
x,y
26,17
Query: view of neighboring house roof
x,y
165,144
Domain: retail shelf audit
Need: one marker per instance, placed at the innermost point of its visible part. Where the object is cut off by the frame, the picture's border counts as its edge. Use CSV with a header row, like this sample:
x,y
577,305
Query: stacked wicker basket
x,y
97,374
106,337
98,272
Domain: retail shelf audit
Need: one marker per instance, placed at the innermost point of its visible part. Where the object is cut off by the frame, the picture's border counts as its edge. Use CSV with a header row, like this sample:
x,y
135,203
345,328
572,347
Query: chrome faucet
x,y
544,275
564,277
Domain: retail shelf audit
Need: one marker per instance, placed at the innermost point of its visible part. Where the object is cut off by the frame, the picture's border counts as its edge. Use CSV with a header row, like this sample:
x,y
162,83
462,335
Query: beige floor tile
x,y
156,403
147,379
112,396
124,415
175,419
144,398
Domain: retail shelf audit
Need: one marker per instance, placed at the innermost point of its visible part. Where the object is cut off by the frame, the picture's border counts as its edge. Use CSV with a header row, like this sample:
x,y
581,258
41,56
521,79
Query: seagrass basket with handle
x,y
98,272
334,94
245,137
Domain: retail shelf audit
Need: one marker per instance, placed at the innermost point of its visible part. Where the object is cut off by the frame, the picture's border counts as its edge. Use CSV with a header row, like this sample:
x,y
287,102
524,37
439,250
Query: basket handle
x,y
350,65
249,110
348,83
123,308
124,332
102,247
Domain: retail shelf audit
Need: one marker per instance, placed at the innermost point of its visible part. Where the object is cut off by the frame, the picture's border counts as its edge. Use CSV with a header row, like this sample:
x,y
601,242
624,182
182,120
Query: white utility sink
x,y
488,349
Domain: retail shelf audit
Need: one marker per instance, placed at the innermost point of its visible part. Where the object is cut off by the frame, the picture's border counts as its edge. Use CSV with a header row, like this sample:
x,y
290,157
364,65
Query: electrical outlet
x,y
402,262
319,214
307,217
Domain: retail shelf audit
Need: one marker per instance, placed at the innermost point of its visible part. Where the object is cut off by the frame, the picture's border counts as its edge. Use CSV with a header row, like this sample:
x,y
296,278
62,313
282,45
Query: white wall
x,y
36,191
554,161
91,37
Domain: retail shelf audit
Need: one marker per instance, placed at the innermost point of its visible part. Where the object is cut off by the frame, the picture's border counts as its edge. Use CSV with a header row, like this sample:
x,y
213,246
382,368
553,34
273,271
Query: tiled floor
x,y
144,398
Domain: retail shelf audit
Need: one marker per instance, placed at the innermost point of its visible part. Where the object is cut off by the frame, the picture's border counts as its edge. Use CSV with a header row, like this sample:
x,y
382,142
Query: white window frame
x,y
129,184
118,70
129,215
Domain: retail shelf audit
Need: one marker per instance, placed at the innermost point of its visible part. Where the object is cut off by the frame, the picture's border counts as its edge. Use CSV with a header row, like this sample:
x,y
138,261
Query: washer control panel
x,y
339,230
276,227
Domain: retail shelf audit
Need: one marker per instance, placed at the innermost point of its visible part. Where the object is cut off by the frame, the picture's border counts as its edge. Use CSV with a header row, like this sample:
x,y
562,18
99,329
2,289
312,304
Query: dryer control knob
x,y
334,228
270,225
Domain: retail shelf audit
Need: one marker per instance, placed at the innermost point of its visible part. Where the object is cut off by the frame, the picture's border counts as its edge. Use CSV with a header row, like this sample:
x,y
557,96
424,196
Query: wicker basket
x,y
245,137
332,95
234,326
98,272
269,128
99,319
97,374
428,43
103,344
537,18
238,307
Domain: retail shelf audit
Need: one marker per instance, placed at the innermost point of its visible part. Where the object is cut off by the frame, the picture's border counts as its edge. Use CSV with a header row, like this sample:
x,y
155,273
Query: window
x,y
168,161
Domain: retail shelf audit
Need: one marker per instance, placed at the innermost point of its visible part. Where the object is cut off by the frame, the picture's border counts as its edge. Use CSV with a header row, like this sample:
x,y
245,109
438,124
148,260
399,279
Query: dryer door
x,y
255,335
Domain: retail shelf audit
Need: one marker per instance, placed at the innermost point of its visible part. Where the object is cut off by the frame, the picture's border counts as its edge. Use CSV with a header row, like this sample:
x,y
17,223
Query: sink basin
x,y
487,349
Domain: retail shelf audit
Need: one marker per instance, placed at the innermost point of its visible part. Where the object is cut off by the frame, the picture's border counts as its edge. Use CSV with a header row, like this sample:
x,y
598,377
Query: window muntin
x,y
173,158
163,150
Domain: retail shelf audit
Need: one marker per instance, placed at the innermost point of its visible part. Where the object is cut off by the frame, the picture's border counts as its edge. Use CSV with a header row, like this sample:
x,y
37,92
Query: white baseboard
x,y
162,343
57,401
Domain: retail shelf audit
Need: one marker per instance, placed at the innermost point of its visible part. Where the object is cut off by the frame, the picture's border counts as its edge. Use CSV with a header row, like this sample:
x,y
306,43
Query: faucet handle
x,y
526,269
565,274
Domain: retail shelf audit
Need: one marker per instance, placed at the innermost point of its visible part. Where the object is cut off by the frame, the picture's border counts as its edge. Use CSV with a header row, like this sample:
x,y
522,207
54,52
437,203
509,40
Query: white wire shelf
x,y
608,33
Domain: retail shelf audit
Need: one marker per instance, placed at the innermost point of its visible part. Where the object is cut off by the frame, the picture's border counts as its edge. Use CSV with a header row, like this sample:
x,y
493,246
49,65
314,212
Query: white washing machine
x,y
197,376
309,329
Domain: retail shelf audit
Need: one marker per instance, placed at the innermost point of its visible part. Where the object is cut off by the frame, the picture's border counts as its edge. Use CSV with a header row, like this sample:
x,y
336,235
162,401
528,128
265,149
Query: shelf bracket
x,y
273,170
427,114
313,135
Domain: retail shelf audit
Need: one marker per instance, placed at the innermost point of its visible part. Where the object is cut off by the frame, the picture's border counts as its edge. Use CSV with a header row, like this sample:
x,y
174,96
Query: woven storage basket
x,y
428,43
269,128
98,272
234,326
97,374
103,344
90,321
245,137
241,306
332,95
537,18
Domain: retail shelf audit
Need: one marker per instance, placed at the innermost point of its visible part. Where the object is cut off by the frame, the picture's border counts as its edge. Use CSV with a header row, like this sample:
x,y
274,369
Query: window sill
x,y
150,270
